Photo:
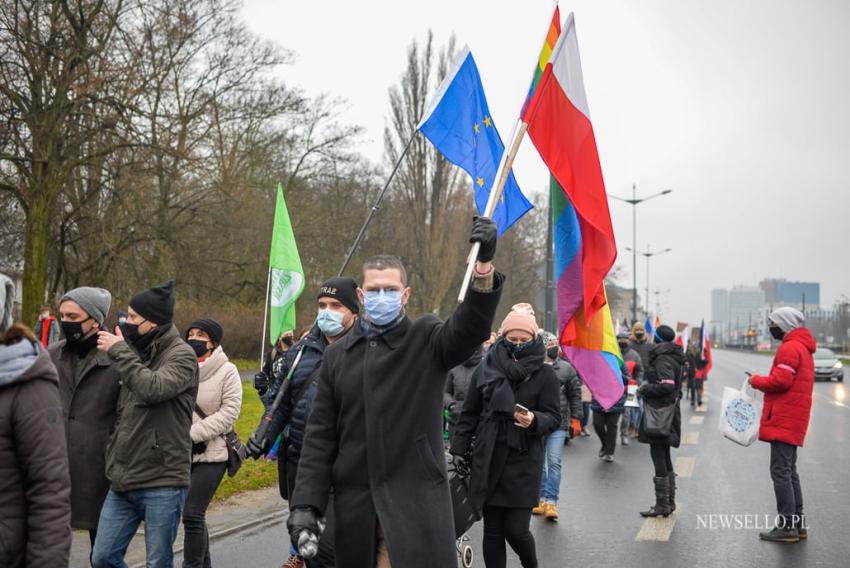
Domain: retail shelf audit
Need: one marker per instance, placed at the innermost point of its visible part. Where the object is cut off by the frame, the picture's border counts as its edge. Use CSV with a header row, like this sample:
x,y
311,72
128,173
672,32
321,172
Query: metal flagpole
x,y
377,205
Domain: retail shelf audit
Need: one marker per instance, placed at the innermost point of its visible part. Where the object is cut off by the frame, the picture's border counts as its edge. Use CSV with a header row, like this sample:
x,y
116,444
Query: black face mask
x,y
552,352
199,346
776,332
623,347
73,330
76,338
640,335
140,342
288,340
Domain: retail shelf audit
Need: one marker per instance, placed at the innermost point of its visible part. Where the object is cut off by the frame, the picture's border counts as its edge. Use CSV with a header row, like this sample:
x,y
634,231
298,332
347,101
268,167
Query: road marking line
x,y
684,467
657,528
696,419
691,438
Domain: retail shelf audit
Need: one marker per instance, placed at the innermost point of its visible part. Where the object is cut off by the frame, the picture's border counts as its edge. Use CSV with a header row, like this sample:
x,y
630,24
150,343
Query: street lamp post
x,y
634,201
658,298
648,254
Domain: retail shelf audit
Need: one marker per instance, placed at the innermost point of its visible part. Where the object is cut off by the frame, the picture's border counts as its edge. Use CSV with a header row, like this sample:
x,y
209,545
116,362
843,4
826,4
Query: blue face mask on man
x,y
330,322
382,306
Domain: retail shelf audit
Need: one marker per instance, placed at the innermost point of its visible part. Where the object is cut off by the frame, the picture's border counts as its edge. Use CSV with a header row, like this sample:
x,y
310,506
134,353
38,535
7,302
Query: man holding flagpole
x,y
375,432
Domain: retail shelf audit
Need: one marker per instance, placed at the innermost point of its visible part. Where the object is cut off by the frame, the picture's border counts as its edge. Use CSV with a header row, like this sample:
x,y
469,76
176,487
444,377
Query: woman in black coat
x,y
511,405
663,389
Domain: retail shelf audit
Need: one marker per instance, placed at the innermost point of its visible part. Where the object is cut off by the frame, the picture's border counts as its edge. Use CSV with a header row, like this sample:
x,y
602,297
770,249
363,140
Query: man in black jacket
x,y
338,307
375,432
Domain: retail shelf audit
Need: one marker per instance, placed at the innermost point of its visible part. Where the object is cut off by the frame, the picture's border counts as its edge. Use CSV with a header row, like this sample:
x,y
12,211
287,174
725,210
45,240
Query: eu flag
x,y
458,123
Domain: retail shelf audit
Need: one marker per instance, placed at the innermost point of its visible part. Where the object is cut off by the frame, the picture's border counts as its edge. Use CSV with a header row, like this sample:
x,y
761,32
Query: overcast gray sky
x,y
742,108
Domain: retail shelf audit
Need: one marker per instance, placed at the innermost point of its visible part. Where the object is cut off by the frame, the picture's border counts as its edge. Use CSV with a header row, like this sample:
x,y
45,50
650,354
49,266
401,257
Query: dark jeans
x,y
660,454
121,515
508,524
786,482
206,478
605,424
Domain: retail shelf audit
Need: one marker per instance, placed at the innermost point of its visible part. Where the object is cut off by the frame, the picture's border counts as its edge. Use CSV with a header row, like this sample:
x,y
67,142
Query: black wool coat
x,y
375,435
662,388
514,476
90,406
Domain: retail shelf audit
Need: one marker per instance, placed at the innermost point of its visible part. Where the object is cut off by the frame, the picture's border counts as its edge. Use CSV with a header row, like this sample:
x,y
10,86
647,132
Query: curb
x,y
270,519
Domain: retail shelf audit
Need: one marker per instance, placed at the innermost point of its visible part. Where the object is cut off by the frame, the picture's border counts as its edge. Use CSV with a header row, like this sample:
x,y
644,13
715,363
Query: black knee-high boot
x,y
671,477
662,498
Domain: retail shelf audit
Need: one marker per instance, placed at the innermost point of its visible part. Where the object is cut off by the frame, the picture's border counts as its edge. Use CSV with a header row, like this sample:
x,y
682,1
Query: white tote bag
x,y
740,414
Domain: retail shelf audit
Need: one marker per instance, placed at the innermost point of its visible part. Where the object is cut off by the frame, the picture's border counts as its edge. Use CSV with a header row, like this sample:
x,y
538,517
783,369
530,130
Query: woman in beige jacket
x,y
217,408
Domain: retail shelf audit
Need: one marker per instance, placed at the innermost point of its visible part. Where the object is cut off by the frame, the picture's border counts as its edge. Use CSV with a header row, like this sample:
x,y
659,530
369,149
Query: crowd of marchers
x,y
104,429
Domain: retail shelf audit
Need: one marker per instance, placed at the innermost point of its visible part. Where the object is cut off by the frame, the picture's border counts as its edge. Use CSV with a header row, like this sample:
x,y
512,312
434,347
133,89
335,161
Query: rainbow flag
x,y
589,344
548,45
584,238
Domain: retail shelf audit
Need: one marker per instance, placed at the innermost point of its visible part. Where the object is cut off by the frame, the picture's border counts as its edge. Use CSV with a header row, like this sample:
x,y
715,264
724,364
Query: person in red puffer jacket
x,y
785,417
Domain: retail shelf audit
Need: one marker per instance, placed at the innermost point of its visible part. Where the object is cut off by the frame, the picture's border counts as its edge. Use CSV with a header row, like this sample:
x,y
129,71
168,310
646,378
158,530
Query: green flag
x,y
287,275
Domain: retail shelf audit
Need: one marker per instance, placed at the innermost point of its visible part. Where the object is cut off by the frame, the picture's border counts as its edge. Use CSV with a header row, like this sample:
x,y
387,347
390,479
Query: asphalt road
x,y
600,525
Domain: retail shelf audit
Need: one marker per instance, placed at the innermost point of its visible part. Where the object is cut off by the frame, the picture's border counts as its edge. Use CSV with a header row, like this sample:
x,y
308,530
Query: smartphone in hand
x,y
521,409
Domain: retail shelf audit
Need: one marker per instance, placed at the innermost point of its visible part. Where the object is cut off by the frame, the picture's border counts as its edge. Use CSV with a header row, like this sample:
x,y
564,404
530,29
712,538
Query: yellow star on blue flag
x,y
452,123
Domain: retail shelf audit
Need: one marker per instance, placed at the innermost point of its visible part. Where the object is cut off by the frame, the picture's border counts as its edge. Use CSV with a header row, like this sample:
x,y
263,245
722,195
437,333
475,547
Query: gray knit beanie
x,y
94,301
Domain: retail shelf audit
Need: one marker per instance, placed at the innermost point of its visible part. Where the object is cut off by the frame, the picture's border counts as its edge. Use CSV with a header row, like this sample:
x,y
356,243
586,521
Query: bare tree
x,y
431,199
51,69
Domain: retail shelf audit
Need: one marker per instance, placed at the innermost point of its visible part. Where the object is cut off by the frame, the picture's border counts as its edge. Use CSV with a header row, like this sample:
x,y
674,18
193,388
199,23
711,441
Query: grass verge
x,y
252,365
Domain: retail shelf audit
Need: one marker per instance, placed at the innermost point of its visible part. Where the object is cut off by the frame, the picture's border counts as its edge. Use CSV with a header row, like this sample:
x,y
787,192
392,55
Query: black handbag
x,y
236,451
658,422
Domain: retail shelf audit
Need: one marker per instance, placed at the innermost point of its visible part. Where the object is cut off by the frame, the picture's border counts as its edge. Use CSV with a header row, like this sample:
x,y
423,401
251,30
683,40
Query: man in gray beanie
x,y
89,388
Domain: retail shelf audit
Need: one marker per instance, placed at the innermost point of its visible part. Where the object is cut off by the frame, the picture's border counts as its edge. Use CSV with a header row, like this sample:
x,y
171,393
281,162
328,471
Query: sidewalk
x,y
263,507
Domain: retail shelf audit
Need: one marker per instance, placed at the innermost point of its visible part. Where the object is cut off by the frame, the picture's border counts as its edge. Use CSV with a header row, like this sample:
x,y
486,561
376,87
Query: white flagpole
x,y
265,319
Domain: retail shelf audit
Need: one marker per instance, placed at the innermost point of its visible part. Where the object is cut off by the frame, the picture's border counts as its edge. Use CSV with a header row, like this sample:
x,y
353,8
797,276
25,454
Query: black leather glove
x,y
461,465
199,448
484,232
261,383
255,448
302,519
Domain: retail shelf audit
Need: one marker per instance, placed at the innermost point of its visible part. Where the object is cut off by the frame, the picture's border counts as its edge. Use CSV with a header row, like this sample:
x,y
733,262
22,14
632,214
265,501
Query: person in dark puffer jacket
x,y
785,417
338,307
35,485
457,383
